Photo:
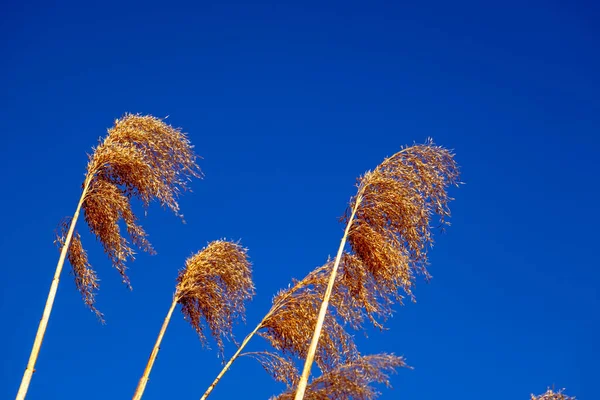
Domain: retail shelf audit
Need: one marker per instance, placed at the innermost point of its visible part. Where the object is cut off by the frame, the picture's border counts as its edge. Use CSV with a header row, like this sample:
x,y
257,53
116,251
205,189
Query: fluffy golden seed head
x,y
141,157
214,286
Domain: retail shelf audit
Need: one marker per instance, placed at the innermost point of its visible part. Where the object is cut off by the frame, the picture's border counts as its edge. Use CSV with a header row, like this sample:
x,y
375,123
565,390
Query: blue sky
x,y
288,104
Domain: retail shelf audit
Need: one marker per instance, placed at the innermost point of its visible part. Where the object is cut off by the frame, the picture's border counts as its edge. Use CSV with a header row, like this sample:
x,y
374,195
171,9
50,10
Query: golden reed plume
x,y
214,286
141,157
351,380
552,395
388,225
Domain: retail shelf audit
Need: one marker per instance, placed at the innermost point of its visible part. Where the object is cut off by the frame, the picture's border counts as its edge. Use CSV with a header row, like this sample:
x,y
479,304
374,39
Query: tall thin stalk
x,y
310,357
231,360
39,337
139,391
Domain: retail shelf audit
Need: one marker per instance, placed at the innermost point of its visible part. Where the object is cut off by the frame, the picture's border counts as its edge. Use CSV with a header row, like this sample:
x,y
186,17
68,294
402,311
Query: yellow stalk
x,y
39,337
232,359
139,391
310,357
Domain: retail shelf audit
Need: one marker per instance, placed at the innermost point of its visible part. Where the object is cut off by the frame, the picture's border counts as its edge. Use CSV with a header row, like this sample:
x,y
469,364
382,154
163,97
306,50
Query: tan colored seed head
x,y
281,369
289,324
552,395
214,286
141,157
391,232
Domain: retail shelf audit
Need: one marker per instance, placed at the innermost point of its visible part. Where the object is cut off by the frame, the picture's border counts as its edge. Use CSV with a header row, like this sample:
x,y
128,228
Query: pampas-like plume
x,y
388,224
351,380
214,286
291,321
552,395
141,157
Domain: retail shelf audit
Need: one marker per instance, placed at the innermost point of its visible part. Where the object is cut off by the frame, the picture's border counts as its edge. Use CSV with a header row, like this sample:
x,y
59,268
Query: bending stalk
x,y
310,357
39,337
139,391
232,359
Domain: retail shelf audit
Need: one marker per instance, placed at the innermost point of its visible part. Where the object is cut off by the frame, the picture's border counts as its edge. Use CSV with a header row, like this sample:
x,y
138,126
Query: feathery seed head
x,y
280,368
86,280
214,286
391,232
141,157
290,322
552,395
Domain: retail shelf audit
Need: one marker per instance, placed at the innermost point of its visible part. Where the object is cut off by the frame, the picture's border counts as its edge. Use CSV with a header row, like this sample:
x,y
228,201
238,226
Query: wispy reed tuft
x,y
552,395
281,368
352,380
86,279
291,320
395,207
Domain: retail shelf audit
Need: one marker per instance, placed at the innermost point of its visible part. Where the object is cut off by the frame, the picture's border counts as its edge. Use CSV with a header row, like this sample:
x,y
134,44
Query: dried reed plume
x,y
552,395
213,287
290,322
388,224
282,369
141,157
351,380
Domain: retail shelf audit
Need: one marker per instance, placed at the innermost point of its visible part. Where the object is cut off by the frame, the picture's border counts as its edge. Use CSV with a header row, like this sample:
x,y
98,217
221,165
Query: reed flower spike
x,y
552,395
213,287
141,157
388,224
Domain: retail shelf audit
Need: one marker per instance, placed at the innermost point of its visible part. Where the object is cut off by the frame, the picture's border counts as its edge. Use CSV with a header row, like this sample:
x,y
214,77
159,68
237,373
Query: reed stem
x,y
310,357
139,391
232,359
39,337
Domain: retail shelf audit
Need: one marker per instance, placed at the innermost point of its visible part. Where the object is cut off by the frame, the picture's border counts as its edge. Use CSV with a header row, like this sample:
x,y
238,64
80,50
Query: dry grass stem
x,y
141,157
86,280
214,286
352,380
552,395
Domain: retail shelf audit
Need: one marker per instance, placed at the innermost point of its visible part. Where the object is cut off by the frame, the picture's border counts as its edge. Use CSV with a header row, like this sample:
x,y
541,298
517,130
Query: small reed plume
x,y
141,157
351,380
213,287
388,225
552,395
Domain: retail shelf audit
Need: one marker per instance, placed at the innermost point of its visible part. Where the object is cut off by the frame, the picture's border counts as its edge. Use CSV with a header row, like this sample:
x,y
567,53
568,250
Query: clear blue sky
x,y
288,104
